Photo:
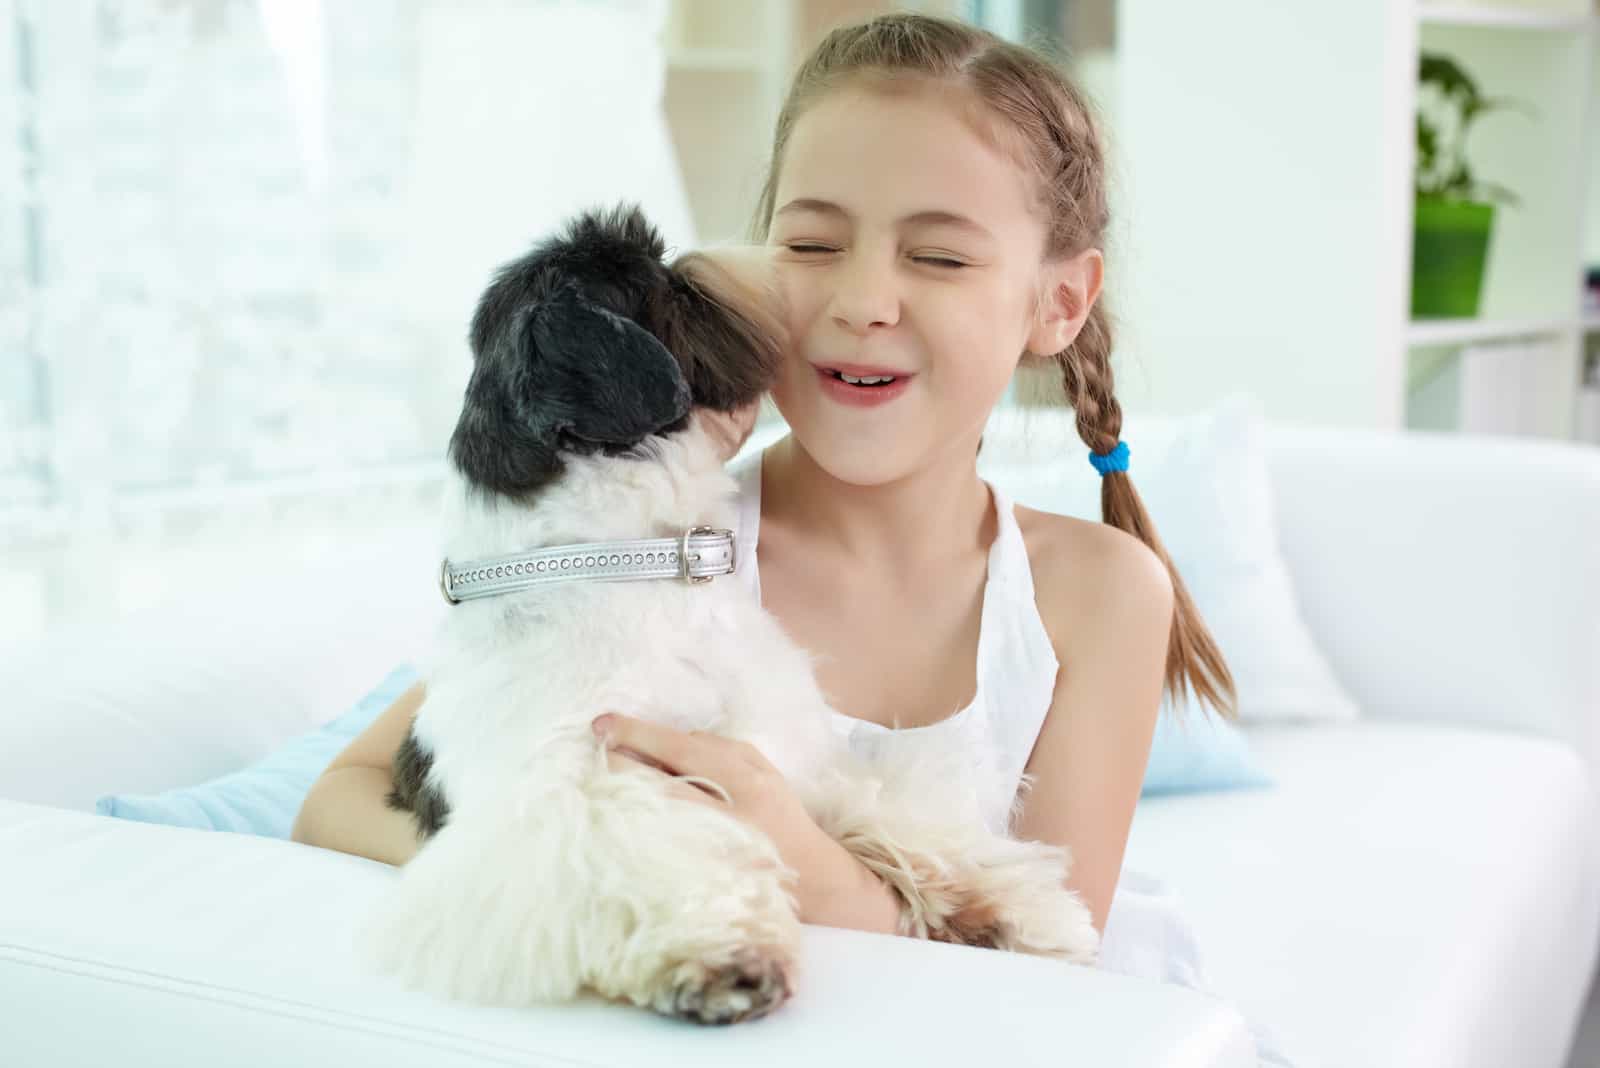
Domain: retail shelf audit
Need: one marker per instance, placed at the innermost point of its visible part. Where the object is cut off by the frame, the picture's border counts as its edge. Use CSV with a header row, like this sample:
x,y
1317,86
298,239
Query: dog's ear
x,y
566,374
605,378
727,331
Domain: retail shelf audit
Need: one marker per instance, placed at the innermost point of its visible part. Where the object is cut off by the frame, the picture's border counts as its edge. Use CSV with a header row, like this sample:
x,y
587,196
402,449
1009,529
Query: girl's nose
x,y
866,292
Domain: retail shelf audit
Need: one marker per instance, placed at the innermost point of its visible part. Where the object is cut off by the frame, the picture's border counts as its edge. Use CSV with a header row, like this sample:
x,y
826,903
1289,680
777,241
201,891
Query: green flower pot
x,y
1450,244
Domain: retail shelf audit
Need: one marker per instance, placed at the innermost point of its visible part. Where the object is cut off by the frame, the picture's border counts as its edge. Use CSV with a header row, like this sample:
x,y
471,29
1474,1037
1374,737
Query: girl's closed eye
x,y
803,248
939,261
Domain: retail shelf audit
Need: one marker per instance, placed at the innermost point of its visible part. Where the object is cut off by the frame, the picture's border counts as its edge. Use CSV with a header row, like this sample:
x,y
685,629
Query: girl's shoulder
x,y
1084,572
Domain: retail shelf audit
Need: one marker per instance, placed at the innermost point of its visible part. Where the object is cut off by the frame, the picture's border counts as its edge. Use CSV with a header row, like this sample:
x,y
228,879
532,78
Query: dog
x,y
543,873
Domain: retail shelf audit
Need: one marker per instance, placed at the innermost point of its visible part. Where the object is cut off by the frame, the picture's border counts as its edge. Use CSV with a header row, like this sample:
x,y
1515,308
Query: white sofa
x,y
1419,889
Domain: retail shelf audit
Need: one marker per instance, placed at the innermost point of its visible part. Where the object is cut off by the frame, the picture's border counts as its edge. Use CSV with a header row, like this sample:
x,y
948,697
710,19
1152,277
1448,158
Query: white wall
x,y
1261,185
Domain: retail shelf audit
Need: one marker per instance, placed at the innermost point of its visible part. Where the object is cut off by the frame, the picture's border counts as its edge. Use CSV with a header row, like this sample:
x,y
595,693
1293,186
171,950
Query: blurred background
x,y
240,239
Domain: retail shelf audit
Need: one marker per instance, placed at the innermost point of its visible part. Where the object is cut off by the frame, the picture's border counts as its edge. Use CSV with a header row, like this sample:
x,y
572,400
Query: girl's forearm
x,y
852,896
345,810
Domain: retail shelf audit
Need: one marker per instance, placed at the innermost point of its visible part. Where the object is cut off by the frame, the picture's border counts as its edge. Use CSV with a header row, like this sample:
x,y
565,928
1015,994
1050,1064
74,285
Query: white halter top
x,y
1016,667
1147,933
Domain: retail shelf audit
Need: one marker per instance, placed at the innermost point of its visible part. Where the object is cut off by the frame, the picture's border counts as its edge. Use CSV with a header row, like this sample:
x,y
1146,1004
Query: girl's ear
x,y
1068,290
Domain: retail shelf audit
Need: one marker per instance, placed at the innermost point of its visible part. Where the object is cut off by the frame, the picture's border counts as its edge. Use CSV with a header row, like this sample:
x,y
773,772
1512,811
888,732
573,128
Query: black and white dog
x,y
544,872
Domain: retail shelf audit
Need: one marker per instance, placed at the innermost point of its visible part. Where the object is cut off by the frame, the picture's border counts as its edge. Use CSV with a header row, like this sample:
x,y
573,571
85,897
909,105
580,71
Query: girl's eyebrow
x,y
828,207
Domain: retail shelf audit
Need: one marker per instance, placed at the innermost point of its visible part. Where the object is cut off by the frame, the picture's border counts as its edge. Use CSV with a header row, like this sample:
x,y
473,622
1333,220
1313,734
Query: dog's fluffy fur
x,y
544,872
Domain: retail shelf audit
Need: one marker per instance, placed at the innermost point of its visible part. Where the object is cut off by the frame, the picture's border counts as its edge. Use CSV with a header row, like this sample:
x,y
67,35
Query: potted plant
x,y
1454,210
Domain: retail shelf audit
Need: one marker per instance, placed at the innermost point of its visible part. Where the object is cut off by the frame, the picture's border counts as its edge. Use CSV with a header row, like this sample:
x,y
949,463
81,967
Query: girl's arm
x,y
1110,617
853,897
346,808
831,887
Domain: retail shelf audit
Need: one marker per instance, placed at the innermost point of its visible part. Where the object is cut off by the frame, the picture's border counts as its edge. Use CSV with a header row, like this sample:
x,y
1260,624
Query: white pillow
x,y
1204,480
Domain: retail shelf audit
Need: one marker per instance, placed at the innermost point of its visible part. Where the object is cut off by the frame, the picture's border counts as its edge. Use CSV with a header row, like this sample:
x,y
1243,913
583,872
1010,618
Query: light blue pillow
x,y
265,797
1204,752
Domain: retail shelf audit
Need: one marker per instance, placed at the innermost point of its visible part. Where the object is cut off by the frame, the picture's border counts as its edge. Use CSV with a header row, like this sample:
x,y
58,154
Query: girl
x,y
934,212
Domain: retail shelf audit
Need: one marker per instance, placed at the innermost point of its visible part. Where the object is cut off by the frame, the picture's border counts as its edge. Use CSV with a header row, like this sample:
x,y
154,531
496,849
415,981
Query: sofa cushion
x,y
186,947
1204,480
1410,894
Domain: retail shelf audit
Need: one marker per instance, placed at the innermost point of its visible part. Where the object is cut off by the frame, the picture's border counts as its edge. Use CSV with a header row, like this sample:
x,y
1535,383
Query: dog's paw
x,y
977,921
755,982
1052,923
1013,897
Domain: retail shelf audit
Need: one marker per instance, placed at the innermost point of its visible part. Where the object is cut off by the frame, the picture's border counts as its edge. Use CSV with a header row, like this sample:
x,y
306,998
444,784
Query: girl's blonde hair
x,y
1025,106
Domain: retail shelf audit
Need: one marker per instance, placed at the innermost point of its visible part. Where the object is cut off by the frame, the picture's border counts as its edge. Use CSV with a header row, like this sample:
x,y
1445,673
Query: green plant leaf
x,y
1501,103
1458,89
1496,191
1444,72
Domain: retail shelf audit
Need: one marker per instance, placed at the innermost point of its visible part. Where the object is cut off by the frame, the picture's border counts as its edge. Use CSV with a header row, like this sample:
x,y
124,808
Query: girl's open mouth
x,y
866,391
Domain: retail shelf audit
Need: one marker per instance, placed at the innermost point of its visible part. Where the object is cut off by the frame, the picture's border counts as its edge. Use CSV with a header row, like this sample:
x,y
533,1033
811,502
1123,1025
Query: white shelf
x,y
1510,18
1543,54
1467,331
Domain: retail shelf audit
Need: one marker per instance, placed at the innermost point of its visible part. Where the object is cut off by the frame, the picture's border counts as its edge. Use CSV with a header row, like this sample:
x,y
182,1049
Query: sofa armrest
x,y
176,943
1449,577
244,655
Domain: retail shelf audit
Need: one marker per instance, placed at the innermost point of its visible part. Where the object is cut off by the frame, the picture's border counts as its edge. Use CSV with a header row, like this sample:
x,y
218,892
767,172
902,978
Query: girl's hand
x,y
757,793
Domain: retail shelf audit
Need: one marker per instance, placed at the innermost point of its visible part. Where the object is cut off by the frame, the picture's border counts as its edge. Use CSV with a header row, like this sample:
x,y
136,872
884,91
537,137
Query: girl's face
x,y
902,241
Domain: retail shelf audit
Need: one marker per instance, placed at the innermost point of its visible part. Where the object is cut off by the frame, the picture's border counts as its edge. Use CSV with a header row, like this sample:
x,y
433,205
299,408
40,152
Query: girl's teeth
x,y
869,381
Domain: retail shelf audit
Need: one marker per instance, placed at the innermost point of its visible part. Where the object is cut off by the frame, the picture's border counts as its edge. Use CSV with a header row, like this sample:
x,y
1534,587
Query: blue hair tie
x,y
1115,460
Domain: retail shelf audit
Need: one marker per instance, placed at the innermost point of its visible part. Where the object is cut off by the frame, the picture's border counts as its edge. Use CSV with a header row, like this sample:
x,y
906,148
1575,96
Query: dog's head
x,y
592,343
